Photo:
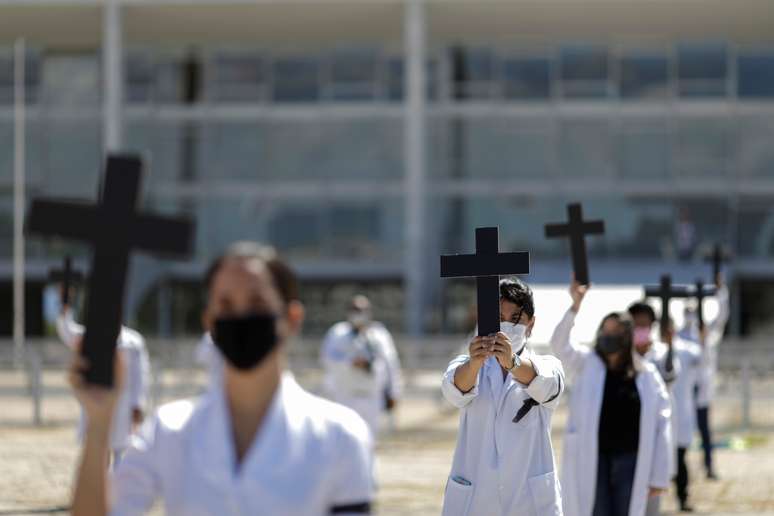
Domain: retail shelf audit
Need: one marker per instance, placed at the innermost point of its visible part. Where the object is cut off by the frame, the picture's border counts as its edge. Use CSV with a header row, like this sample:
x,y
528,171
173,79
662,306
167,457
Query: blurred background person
x,y
361,365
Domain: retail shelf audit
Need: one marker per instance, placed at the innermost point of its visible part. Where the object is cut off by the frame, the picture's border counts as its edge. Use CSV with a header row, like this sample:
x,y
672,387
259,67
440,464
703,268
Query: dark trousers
x,y
681,480
702,420
615,478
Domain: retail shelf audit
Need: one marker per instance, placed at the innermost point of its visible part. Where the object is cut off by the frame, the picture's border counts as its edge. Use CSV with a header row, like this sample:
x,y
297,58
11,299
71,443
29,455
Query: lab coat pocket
x,y
545,496
457,498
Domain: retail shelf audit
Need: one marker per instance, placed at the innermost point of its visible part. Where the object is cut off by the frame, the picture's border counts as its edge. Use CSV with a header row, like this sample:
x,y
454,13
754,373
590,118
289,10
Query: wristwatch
x,y
516,362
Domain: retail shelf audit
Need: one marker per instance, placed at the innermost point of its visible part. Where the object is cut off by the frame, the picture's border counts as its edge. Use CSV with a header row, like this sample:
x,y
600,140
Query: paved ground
x,y
413,460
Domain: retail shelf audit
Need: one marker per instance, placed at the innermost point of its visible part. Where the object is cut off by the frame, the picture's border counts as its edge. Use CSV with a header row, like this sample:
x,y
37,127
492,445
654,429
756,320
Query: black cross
x,y
114,227
666,292
66,276
700,292
487,265
577,229
717,257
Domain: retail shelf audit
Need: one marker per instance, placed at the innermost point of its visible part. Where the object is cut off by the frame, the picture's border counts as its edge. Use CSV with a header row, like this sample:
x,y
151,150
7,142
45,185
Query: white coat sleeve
x,y
450,391
663,452
548,385
717,326
135,483
394,376
67,329
353,485
571,355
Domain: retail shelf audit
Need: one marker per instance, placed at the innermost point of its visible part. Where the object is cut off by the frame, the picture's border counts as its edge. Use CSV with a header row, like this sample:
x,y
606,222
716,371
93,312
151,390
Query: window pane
x,y
296,80
71,80
510,147
526,78
353,75
473,72
756,76
644,149
584,71
702,69
704,147
237,77
643,77
586,148
756,152
290,150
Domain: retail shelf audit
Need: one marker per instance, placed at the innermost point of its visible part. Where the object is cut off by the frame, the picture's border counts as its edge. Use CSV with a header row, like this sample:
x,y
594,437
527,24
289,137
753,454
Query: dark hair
x,y
625,320
641,307
518,293
283,277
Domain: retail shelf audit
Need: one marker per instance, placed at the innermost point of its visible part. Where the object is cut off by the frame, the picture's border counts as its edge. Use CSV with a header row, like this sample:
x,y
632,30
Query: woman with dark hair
x,y
256,442
617,446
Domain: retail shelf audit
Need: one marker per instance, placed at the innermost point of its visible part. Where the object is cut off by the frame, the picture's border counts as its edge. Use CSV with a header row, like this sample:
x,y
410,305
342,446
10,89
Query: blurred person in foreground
x,y
256,444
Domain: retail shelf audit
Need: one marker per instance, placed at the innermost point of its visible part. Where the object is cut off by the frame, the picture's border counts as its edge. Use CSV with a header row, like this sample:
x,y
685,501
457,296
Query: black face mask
x,y
246,340
609,344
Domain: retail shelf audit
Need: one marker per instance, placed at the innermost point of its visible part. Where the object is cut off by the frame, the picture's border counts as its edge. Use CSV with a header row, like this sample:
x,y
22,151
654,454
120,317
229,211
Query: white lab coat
x,y
689,354
708,368
580,450
362,391
308,456
134,393
208,355
510,466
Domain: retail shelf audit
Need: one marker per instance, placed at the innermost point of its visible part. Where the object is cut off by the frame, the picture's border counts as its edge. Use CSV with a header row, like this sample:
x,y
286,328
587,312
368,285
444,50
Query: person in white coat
x,y
258,444
705,385
362,368
504,460
131,406
617,444
688,355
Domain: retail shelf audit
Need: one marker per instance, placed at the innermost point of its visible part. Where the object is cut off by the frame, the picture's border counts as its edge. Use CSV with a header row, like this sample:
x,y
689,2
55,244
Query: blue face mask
x,y
246,340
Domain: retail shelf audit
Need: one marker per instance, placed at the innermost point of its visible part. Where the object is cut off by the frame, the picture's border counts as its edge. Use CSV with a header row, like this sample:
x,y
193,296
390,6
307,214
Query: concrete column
x,y
113,76
415,145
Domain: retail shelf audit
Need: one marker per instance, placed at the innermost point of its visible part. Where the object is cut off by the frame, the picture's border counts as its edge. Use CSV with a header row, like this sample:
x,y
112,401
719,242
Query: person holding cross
x,y
617,446
709,336
256,444
504,459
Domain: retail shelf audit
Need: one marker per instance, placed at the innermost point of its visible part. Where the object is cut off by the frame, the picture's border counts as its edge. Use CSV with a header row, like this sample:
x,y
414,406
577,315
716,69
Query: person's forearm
x,y
90,494
465,376
525,373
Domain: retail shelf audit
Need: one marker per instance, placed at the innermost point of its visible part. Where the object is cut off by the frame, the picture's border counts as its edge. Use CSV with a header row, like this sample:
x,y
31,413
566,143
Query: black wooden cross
x,y
576,230
487,265
114,227
717,258
665,291
66,277
700,292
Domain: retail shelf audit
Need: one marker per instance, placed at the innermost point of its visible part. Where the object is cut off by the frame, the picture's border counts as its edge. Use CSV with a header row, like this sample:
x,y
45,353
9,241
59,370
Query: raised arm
x,y
717,326
571,355
67,329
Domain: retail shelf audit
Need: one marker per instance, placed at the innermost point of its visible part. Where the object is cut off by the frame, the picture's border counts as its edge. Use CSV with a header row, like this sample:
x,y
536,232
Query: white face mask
x,y
359,319
517,333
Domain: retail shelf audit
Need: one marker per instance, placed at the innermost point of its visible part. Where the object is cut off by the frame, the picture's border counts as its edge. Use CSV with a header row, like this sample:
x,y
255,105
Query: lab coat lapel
x,y
271,443
213,445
